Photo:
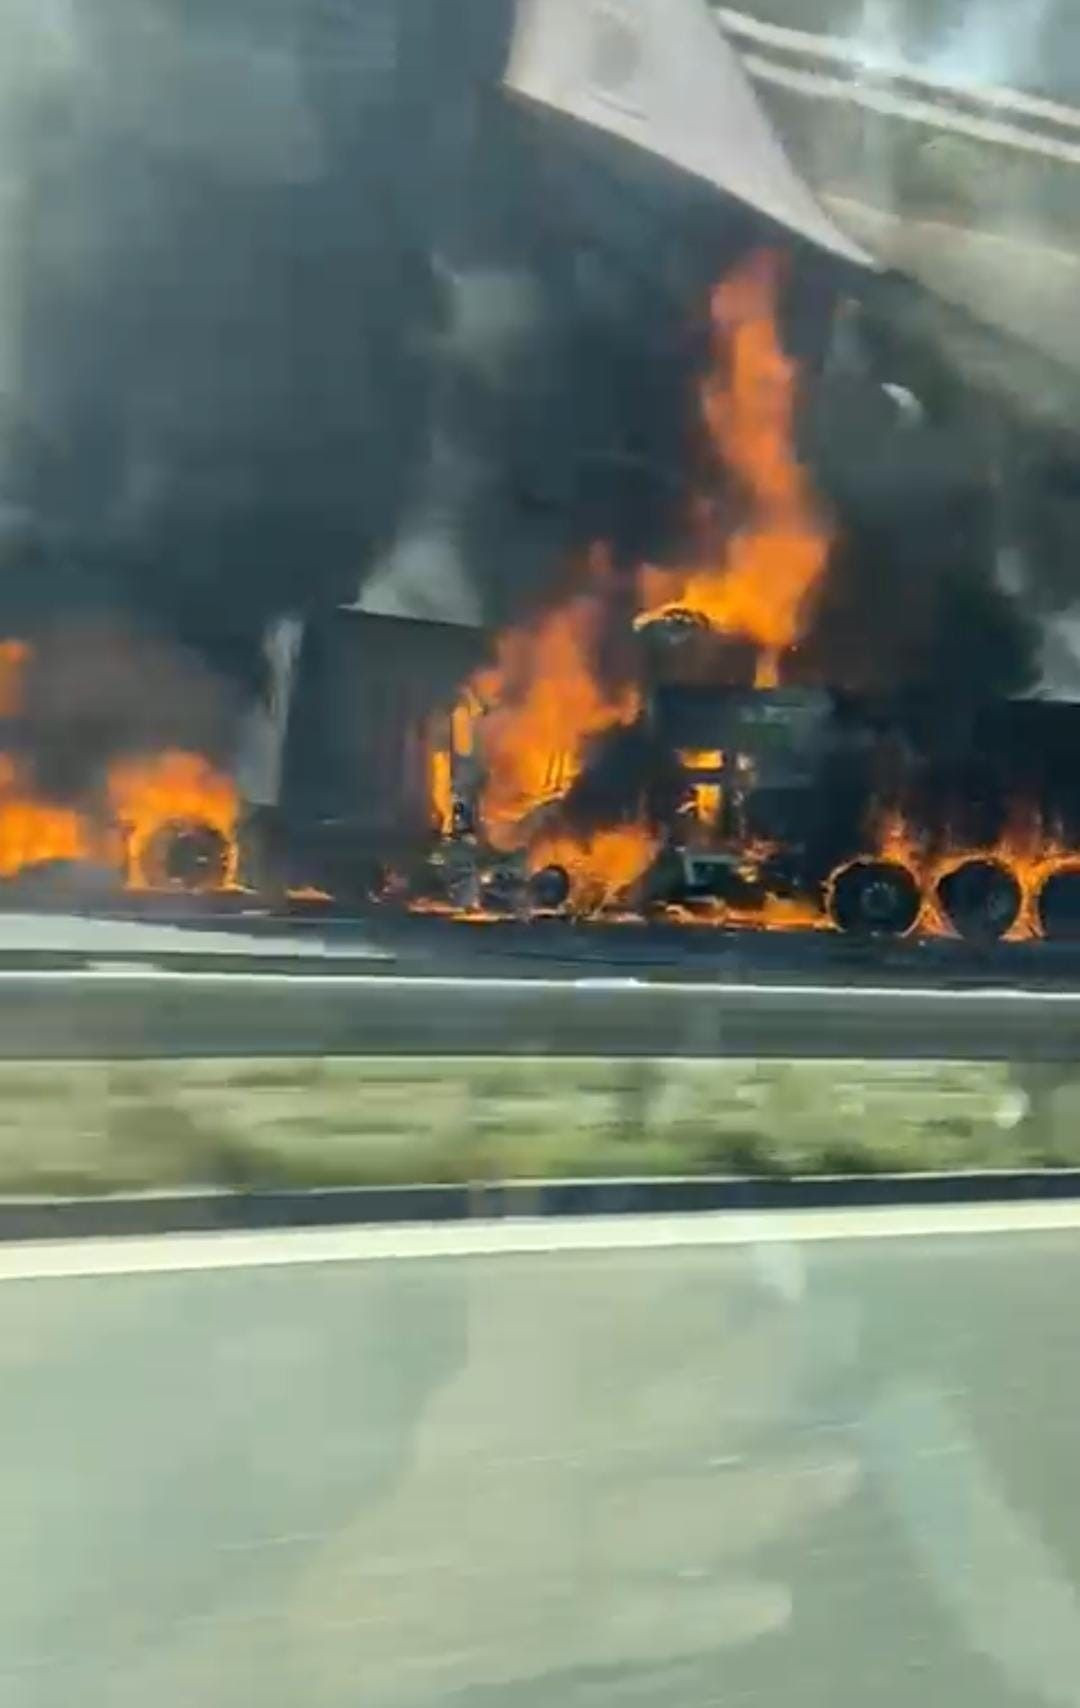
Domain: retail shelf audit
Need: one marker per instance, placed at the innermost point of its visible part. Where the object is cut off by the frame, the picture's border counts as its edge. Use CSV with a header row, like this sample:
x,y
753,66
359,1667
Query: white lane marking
x,y
610,984
176,1253
599,986
847,51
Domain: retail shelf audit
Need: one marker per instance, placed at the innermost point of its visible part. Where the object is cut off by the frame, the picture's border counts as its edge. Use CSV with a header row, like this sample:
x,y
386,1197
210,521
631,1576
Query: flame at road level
x,y
34,831
601,866
1024,849
166,788
758,581
547,704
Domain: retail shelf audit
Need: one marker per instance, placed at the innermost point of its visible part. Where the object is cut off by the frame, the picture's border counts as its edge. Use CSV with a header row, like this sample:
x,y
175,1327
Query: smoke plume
x,y
291,301
295,305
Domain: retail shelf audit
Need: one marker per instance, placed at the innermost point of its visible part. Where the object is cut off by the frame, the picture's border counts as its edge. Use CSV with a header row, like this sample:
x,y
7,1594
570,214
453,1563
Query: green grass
x,y
93,1127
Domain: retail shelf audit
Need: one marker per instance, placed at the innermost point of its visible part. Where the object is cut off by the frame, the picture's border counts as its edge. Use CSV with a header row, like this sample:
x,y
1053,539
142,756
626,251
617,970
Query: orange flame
x,y
602,866
14,657
542,704
442,790
706,793
758,582
546,701
793,913
34,831
144,795
1024,848
173,787
779,913
899,842
547,705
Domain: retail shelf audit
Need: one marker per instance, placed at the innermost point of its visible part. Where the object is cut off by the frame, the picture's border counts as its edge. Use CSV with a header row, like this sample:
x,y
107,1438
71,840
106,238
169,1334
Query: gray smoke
x,y
219,315
296,306
293,302
974,44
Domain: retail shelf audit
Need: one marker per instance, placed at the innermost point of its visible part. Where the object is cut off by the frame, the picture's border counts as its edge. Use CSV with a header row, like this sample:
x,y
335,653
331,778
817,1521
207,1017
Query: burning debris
x,y
178,818
165,822
168,823
1020,887
36,832
565,682
655,742
544,705
643,747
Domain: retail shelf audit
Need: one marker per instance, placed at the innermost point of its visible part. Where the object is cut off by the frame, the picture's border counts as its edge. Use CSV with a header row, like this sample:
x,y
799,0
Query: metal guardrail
x,y
117,1012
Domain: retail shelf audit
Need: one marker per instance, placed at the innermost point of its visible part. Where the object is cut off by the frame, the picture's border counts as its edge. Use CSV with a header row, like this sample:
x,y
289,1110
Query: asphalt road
x,y
120,1012
181,933
768,1460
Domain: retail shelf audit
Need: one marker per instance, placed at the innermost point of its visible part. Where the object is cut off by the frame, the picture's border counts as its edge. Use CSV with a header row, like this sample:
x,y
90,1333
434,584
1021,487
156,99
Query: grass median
x,y
94,1127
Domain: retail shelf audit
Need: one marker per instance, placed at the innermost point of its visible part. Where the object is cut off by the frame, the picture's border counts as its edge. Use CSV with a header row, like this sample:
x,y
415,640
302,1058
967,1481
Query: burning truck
x,y
783,827
664,740
650,741
604,535
656,742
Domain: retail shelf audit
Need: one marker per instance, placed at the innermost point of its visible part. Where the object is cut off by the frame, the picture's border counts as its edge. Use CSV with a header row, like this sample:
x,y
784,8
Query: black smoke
x,y
292,293
295,302
907,461
226,303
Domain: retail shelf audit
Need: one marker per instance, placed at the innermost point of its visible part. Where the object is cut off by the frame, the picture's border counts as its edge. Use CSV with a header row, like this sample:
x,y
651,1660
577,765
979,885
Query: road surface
x,y
765,1460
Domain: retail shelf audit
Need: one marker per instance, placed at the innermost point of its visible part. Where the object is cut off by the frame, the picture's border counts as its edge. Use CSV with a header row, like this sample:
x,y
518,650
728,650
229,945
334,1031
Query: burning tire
x,y
875,898
549,889
1058,906
981,899
675,627
187,856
